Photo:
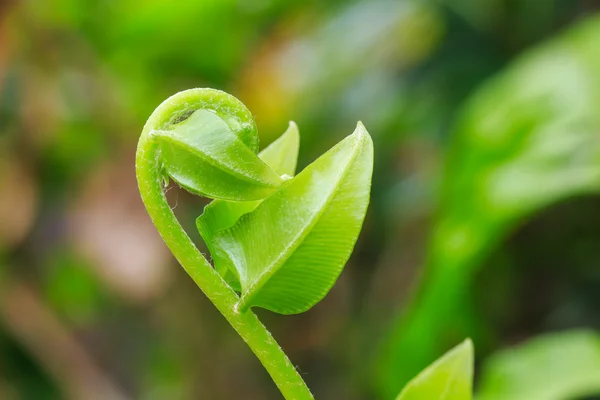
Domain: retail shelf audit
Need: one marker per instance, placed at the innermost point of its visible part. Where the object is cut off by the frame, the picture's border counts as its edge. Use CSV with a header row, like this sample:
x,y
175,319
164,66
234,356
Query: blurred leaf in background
x,y
556,366
525,140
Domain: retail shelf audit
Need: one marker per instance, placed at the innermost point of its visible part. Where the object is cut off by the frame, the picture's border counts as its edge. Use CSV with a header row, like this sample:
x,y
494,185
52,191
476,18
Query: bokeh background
x,y
484,219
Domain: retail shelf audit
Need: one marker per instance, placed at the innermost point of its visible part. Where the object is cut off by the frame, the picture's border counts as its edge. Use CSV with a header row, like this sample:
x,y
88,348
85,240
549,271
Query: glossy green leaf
x,y
211,153
449,378
558,366
281,156
527,139
288,253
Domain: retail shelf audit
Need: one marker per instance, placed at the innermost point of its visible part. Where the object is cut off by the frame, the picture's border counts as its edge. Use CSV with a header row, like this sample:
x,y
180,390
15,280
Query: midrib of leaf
x,y
304,232
215,163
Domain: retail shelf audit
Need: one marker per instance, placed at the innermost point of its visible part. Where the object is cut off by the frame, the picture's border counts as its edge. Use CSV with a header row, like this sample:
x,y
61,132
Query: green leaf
x,y
552,367
289,252
449,378
281,156
205,156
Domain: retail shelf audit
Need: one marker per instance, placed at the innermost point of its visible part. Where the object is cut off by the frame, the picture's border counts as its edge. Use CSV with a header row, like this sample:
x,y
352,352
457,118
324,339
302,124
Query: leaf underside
x,y
290,250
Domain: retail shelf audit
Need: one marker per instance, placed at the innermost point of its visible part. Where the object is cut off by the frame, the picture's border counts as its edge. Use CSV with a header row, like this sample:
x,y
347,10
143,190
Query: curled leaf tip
x,y
209,143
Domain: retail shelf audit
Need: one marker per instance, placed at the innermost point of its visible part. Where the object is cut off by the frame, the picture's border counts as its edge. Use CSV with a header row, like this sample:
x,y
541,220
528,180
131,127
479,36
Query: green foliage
x,y
552,367
72,94
281,241
218,215
525,140
289,252
449,378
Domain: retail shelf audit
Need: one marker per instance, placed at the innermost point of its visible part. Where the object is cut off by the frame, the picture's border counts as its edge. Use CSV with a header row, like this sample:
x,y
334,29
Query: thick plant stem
x,y
247,324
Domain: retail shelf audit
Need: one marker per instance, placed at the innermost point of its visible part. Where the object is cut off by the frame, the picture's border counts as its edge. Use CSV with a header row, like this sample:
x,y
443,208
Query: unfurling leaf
x,y
210,155
289,251
449,378
281,241
281,156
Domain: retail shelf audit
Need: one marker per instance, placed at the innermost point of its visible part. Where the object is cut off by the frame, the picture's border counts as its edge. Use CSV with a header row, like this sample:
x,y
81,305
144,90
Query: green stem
x,y
247,324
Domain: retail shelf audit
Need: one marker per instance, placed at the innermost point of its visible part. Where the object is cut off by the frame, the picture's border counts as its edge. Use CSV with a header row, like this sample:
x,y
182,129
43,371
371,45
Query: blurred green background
x,y
484,218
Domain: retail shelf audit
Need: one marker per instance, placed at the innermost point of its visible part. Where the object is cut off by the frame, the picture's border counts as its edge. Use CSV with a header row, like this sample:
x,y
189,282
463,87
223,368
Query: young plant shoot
x,y
278,241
